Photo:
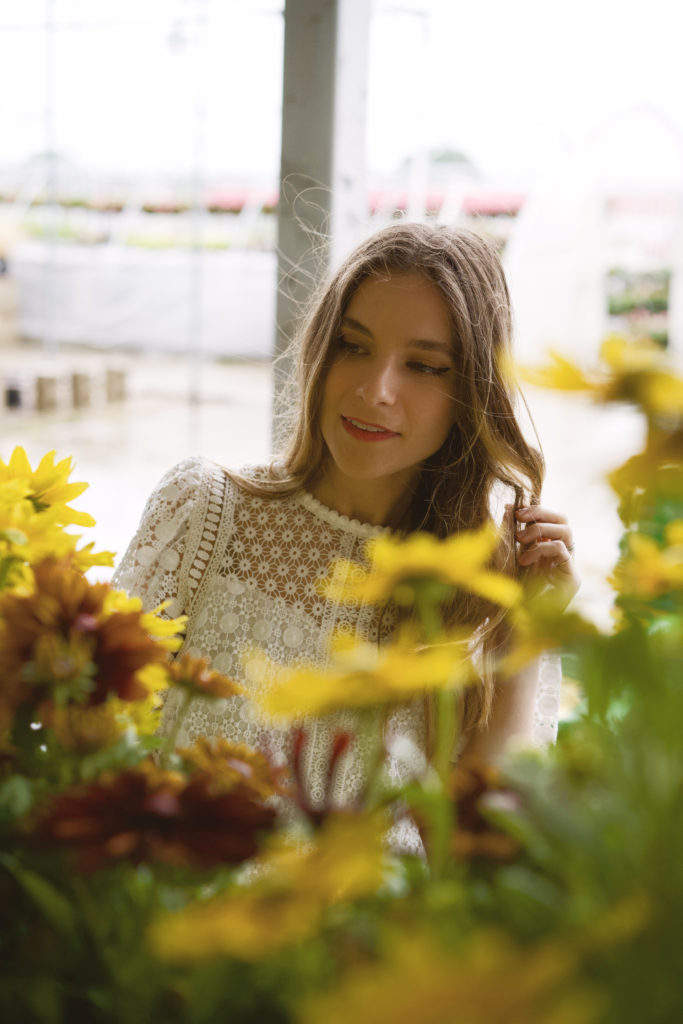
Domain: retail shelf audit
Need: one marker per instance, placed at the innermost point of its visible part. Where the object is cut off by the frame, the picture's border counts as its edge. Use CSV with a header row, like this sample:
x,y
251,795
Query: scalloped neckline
x,y
334,518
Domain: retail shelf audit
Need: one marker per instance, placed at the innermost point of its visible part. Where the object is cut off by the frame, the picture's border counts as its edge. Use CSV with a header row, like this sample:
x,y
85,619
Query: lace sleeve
x,y
152,567
547,701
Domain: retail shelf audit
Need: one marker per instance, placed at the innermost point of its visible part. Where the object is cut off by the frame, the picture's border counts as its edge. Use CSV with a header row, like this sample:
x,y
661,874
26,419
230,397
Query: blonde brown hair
x,y
486,446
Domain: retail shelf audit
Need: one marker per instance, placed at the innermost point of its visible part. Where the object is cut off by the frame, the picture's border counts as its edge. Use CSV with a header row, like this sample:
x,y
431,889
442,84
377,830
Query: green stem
x,y
171,740
430,619
442,814
5,570
371,741
446,732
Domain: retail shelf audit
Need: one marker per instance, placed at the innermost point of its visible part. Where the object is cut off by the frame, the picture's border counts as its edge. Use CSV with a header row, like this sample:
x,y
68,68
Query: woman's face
x,y
388,399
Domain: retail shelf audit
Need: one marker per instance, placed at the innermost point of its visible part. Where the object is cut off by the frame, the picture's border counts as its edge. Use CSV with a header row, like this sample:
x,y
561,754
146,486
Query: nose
x,y
378,385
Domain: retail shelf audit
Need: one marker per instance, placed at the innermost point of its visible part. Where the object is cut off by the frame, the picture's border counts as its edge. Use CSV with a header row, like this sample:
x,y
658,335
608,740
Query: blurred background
x,y
143,230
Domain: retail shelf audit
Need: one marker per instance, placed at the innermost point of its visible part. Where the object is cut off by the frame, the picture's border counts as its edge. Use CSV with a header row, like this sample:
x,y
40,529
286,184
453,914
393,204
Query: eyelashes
x,y
347,347
430,371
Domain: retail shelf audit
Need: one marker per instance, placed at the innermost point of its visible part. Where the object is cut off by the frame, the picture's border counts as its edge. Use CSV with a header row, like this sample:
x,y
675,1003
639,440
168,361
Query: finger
x,y
538,514
544,531
554,552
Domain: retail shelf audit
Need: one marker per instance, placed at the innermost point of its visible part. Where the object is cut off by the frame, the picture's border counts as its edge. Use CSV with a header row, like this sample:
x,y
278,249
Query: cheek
x,y
335,386
443,413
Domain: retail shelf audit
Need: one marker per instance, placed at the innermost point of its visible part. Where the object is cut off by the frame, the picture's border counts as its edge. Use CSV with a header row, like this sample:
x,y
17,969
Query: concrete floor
x,y
123,449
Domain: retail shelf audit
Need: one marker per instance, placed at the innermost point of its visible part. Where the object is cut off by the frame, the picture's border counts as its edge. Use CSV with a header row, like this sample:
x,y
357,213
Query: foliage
x,y
141,883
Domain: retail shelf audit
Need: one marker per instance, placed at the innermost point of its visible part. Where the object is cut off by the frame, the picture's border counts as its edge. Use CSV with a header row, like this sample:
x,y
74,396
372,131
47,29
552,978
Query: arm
x,y
151,568
526,706
512,715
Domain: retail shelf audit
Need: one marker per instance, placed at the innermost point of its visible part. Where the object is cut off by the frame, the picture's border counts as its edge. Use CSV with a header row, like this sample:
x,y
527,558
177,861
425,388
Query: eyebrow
x,y
422,343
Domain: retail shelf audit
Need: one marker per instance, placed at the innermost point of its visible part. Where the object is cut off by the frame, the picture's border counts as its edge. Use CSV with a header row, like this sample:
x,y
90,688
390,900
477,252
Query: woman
x,y
404,421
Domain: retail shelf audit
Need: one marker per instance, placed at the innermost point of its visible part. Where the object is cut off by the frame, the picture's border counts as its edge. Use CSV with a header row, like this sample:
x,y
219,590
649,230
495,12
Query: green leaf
x,y
16,795
52,904
13,536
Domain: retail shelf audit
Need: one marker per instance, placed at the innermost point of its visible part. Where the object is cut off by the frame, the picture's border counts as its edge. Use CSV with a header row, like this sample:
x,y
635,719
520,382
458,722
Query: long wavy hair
x,y
484,450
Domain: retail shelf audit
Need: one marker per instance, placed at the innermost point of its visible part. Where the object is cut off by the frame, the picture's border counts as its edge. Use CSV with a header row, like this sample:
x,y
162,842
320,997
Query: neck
x,y
378,502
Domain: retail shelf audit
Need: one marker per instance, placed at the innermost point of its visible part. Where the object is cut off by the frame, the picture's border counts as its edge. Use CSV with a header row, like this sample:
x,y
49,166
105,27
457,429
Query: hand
x,y
548,546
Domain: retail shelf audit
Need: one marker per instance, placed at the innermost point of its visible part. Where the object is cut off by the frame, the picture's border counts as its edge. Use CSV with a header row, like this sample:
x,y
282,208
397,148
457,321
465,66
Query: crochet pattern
x,y
245,570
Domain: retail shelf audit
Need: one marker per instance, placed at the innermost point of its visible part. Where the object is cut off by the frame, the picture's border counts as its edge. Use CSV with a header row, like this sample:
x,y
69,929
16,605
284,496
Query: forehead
x,y
404,300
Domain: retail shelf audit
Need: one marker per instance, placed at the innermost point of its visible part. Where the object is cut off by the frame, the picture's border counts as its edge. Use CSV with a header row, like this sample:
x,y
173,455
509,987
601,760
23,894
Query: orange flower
x,y
145,814
82,729
67,641
196,675
231,764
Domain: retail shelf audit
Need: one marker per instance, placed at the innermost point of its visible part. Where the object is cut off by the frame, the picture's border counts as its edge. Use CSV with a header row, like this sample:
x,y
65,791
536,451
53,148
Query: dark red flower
x,y
64,637
473,783
145,814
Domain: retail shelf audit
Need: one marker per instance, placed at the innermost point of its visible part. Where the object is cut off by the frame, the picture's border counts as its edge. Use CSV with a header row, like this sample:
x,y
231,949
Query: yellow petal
x,y
18,463
561,374
497,587
663,394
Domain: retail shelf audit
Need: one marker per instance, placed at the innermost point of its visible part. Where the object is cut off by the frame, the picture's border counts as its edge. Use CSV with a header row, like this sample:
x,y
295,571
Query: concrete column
x,y
322,170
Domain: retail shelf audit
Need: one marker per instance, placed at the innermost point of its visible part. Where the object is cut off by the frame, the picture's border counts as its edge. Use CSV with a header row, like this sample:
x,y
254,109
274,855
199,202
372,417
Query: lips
x,y
364,431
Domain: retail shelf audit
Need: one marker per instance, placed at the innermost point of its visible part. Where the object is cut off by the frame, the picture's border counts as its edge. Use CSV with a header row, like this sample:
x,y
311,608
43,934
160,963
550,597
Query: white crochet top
x,y
244,569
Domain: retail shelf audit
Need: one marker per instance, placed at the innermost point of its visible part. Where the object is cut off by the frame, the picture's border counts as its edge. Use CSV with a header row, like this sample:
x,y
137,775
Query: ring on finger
x,y
564,562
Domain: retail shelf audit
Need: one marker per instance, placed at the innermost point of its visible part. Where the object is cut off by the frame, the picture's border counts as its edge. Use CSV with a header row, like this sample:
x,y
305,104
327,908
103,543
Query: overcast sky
x,y
516,84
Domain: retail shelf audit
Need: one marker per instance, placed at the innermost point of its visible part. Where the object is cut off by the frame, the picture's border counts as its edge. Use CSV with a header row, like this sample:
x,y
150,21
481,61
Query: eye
x,y
431,371
348,347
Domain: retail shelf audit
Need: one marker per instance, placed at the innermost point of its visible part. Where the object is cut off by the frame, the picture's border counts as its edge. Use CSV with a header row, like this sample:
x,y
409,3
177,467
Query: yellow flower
x,y
47,485
657,469
633,371
362,675
34,512
488,981
164,630
245,926
674,532
286,902
630,356
143,715
398,565
560,375
540,625
649,570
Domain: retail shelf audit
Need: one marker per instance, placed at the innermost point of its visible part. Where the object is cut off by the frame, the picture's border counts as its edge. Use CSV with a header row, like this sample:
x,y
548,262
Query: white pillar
x,y
322,170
